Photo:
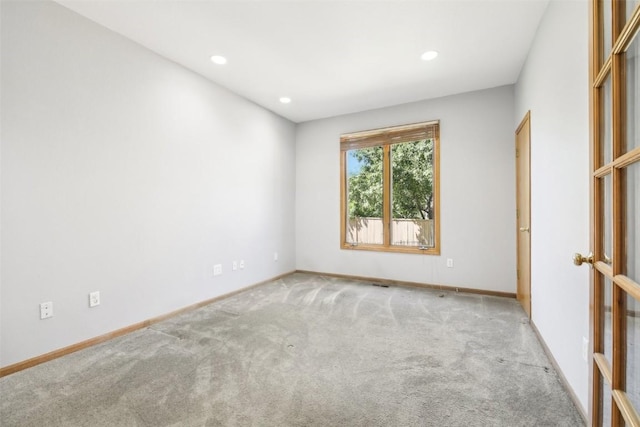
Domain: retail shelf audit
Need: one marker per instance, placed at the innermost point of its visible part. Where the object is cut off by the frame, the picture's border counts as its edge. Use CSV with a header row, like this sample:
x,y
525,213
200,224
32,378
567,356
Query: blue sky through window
x,y
353,164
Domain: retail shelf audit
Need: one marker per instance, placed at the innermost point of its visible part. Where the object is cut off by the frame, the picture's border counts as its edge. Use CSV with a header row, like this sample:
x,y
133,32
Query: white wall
x,y
125,173
477,194
554,86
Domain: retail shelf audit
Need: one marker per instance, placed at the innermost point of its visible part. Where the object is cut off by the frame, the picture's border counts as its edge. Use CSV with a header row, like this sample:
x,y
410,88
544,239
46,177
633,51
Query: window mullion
x,y
386,196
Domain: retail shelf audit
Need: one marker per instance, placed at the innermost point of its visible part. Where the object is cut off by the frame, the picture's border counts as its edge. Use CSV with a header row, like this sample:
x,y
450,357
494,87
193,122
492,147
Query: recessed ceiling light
x,y
429,55
217,59
285,99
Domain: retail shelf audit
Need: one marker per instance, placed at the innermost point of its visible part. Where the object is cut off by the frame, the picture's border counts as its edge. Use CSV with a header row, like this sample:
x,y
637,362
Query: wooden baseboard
x,y
415,284
16,367
563,379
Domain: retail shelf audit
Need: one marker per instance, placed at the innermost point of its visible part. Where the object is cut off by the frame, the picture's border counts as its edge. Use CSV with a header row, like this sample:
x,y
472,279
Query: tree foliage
x,y
412,181
365,187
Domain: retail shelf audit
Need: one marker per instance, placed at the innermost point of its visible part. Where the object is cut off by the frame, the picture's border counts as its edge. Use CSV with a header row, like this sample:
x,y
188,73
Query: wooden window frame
x,y
385,138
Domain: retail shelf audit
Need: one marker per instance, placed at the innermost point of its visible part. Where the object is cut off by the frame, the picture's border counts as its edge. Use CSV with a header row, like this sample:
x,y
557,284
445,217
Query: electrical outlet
x,y
275,256
234,266
585,348
94,299
449,262
241,264
46,310
217,269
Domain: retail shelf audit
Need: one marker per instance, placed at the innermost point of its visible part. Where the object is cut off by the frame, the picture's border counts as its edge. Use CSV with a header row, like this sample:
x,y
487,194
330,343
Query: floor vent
x,y
380,285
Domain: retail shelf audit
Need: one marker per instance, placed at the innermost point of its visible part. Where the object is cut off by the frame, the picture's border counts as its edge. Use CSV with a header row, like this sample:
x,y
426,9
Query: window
x,y
389,188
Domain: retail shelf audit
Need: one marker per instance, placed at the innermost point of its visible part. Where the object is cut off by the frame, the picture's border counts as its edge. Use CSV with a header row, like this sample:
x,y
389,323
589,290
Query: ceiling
x,y
332,57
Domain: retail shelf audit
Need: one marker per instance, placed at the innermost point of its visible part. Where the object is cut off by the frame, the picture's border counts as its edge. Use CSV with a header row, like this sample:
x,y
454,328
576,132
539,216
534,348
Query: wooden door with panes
x,y
615,201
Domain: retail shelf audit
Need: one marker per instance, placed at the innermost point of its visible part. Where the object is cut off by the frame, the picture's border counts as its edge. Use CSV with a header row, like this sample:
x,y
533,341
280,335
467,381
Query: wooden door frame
x,y
525,125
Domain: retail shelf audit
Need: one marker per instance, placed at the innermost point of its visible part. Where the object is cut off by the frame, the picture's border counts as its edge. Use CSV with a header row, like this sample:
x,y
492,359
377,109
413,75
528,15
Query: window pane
x,y
605,402
606,27
633,95
606,133
412,194
632,233
364,196
607,224
607,316
633,351
630,6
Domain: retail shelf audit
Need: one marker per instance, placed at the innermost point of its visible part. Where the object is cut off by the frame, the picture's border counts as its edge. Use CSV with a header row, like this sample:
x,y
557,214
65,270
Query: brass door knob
x,y
579,259
523,229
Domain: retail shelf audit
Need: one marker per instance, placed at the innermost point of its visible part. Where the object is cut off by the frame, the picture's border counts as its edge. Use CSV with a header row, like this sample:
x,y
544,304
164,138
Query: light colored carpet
x,y
307,350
